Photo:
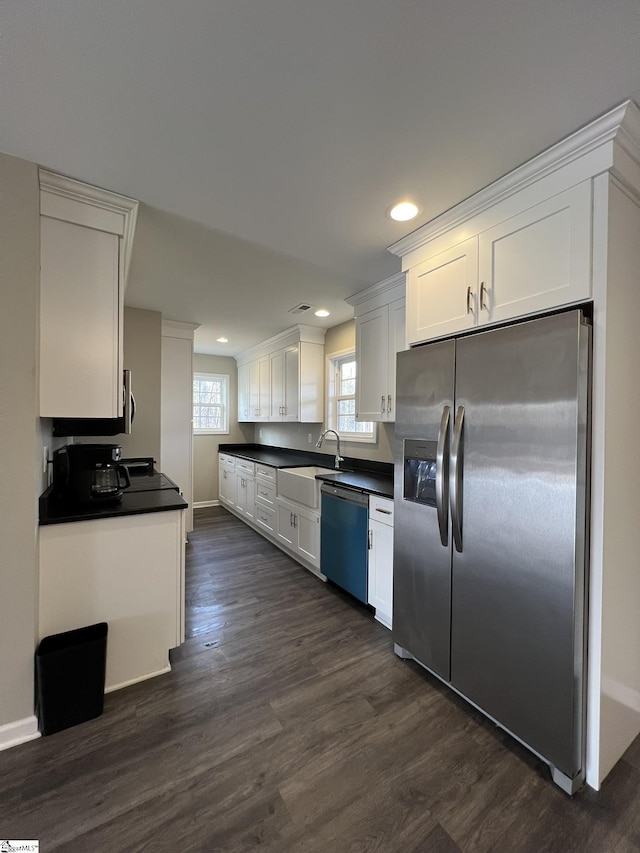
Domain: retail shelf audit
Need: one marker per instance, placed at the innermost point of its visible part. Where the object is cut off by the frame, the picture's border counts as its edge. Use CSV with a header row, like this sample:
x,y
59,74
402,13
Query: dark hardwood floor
x,y
288,724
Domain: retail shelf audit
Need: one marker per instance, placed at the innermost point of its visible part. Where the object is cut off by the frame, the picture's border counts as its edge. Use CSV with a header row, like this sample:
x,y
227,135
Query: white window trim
x,y
200,374
345,437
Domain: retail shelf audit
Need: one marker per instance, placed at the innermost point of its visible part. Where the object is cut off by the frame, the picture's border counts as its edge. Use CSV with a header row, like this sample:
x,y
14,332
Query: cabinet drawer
x,y
266,472
245,466
265,517
226,460
381,509
265,493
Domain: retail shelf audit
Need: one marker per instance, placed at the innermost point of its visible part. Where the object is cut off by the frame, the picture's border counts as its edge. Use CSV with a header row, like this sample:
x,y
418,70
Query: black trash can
x,y
70,672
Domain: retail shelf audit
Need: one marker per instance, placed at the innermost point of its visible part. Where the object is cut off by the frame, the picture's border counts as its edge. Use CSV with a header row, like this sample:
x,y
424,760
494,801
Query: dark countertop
x,y
278,458
363,474
153,493
365,481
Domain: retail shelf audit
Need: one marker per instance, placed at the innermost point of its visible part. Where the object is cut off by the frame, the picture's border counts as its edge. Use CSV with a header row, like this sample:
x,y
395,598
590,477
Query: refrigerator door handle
x,y
455,489
442,476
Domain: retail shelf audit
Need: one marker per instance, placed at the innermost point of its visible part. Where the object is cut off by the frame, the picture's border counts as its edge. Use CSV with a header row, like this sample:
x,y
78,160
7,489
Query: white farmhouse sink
x,y
300,484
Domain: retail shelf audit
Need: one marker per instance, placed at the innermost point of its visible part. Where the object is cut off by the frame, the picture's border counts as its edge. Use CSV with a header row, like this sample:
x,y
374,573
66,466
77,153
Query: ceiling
x,y
267,138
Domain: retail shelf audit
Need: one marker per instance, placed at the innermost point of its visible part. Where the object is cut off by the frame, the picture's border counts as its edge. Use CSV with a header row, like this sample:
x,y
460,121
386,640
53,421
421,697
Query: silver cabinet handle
x,y
370,541
295,520
389,403
455,488
442,476
483,296
382,405
469,308
384,511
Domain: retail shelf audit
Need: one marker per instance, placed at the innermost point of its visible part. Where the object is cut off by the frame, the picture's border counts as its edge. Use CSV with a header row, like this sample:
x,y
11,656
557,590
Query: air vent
x,y
301,308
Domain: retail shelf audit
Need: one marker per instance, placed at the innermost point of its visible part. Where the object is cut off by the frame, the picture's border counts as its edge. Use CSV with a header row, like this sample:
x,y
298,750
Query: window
x,y
341,399
210,403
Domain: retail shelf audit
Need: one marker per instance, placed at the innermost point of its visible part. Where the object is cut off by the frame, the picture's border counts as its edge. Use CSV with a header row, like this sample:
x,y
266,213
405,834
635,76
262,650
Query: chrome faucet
x,y
339,458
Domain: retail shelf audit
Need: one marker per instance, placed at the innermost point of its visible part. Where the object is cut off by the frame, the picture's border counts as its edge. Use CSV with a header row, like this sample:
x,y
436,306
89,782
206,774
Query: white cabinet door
x,y
441,293
284,366
264,389
299,529
380,573
397,343
254,391
290,383
537,260
226,484
308,527
380,334
276,371
372,361
244,410
245,495
286,528
176,413
80,370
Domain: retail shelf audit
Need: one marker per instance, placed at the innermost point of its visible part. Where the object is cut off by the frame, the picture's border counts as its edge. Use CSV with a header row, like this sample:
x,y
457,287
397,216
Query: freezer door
x,y
421,562
518,580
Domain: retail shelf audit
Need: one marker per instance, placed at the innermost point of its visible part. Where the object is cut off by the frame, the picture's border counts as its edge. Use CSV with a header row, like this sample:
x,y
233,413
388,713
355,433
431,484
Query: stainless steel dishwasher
x,y
343,538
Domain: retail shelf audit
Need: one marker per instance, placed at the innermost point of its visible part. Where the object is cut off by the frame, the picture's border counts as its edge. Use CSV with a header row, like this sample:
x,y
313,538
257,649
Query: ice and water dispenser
x,y
420,471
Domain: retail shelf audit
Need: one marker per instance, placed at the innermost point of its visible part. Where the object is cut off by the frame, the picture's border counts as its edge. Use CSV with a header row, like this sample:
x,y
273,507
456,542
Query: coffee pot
x,y
90,473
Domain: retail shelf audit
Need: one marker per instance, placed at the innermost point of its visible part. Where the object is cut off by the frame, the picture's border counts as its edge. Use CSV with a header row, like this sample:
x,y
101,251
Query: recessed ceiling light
x,y
321,312
223,340
404,211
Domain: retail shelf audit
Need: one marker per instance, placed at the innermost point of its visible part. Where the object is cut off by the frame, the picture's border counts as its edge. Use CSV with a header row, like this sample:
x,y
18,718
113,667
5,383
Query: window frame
x,y
224,377
333,361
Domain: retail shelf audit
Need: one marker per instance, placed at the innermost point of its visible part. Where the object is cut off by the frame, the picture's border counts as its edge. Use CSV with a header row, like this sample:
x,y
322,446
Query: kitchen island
x,y
120,563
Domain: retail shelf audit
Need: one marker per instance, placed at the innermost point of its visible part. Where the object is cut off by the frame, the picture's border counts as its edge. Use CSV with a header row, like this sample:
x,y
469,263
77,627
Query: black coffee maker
x,y
89,473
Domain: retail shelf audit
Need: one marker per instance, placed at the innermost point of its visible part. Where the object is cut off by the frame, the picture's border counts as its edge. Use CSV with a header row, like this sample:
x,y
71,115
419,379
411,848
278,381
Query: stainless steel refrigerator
x,y
491,535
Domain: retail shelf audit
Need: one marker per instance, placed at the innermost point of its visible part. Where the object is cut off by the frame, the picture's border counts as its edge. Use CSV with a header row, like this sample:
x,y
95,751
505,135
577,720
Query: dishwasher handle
x,y
345,494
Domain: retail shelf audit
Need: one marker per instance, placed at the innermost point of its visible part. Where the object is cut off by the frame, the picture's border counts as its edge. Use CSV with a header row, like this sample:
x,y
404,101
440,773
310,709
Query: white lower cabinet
x,y
265,498
380,577
227,479
245,495
127,571
249,489
299,530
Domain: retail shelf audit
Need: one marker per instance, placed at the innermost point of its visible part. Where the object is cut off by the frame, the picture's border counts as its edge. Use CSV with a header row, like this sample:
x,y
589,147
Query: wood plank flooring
x,y
288,724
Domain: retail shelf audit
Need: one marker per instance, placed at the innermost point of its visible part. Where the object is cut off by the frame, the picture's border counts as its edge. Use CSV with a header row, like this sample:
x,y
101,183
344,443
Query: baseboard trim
x,y
200,504
137,680
20,731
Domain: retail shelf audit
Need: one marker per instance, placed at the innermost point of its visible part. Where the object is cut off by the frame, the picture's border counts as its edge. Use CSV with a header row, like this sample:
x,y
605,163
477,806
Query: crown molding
x,y
290,336
621,124
178,329
397,280
57,191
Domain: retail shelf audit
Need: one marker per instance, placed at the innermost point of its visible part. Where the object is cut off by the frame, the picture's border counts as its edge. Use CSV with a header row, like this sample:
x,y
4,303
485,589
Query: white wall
x,y
20,449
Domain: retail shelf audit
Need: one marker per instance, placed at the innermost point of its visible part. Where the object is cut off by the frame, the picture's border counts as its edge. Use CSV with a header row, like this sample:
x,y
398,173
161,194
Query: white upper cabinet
x,y
85,247
284,377
380,335
441,293
537,260
284,373
531,262
244,403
